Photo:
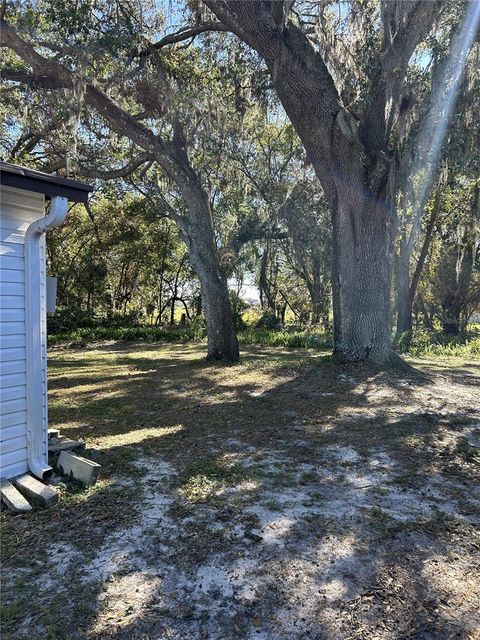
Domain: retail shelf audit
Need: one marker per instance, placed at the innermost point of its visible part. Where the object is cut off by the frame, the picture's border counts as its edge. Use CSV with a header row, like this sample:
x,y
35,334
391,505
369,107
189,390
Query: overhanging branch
x,y
186,33
122,172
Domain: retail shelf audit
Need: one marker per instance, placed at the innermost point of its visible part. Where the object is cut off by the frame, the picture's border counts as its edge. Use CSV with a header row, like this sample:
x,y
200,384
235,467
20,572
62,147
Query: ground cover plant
x,y
285,497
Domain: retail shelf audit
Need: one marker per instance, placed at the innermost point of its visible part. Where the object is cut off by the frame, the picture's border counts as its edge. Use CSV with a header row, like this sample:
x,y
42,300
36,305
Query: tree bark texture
x,y
199,238
362,272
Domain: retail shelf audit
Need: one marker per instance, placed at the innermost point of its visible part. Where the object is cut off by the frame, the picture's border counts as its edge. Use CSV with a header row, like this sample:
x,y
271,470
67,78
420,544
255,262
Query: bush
x,y
291,337
268,320
238,308
419,343
69,319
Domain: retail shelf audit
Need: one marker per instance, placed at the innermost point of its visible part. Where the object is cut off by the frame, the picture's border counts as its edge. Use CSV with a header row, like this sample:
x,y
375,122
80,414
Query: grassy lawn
x,y
283,498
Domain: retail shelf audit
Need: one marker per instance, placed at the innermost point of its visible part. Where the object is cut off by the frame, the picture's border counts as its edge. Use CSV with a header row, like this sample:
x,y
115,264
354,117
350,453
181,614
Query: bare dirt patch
x,y
284,498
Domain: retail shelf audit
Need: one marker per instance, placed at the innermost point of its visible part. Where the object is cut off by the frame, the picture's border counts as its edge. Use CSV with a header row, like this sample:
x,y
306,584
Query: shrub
x,y
145,333
69,319
268,320
238,307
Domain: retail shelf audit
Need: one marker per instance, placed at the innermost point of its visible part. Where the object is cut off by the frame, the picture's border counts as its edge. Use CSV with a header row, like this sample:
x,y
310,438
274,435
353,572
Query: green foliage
x,y
307,338
121,263
238,308
208,477
421,343
71,319
82,337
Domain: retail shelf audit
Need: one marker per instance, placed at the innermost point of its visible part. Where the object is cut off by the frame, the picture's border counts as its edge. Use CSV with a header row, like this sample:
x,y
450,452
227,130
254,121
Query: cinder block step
x,y
13,498
78,468
36,491
56,445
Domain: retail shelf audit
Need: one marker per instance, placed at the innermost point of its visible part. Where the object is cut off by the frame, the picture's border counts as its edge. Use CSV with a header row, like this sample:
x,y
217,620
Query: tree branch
x,y
49,71
124,171
405,25
186,33
31,79
305,87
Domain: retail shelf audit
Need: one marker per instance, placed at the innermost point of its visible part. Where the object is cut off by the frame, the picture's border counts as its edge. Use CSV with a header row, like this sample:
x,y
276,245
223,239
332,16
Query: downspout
x,y
36,451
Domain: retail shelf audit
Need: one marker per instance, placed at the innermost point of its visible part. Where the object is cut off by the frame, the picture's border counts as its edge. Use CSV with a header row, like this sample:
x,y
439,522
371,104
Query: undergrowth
x,y
421,343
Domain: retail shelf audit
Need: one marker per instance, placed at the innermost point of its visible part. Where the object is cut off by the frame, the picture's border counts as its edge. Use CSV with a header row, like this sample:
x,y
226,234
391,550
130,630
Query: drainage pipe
x,y
37,453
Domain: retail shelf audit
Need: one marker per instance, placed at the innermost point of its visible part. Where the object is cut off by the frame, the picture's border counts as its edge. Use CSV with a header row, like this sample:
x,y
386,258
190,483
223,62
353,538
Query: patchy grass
x,y
281,498
207,478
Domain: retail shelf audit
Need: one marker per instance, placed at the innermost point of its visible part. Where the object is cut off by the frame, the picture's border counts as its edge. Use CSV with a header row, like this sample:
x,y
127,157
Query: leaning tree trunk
x,y
362,275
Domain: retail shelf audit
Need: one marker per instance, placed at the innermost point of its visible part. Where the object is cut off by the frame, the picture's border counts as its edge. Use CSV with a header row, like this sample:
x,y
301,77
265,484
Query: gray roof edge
x,y
40,182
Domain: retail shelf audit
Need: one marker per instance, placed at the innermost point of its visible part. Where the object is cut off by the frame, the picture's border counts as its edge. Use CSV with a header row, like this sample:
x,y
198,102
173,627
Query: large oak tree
x,y
349,103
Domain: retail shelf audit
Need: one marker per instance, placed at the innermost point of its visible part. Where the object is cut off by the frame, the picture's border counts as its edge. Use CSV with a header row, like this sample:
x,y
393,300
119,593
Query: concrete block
x,y
13,498
78,468
56,445
36,491
53,433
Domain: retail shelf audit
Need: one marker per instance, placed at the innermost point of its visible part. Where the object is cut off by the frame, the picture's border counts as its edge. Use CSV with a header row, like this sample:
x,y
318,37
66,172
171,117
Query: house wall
x,y
18,209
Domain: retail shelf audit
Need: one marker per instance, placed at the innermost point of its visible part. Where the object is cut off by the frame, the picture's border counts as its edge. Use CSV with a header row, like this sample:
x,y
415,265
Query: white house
x,y
23,336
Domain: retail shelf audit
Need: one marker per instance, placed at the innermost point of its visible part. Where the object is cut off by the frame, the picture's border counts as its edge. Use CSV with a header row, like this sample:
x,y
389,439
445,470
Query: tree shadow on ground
x,y
353,480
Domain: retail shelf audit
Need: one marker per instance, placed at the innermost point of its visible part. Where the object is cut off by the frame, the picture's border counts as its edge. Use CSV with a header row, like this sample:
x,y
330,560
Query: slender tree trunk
x,y
197,233
407,290
315,295
265,286
455,300
362,275
402,281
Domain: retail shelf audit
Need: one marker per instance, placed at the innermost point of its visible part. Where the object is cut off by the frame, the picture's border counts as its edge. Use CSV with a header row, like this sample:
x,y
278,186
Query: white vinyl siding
x,y
18,209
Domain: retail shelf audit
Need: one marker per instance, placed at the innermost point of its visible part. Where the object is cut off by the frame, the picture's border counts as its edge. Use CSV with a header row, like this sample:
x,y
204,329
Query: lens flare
x,y
434,130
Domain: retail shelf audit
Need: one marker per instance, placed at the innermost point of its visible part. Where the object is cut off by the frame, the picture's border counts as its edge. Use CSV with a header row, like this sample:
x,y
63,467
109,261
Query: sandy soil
x,y
282,499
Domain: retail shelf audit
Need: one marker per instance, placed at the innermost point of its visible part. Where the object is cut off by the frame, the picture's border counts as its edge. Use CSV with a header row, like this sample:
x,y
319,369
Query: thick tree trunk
x,y
362,274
